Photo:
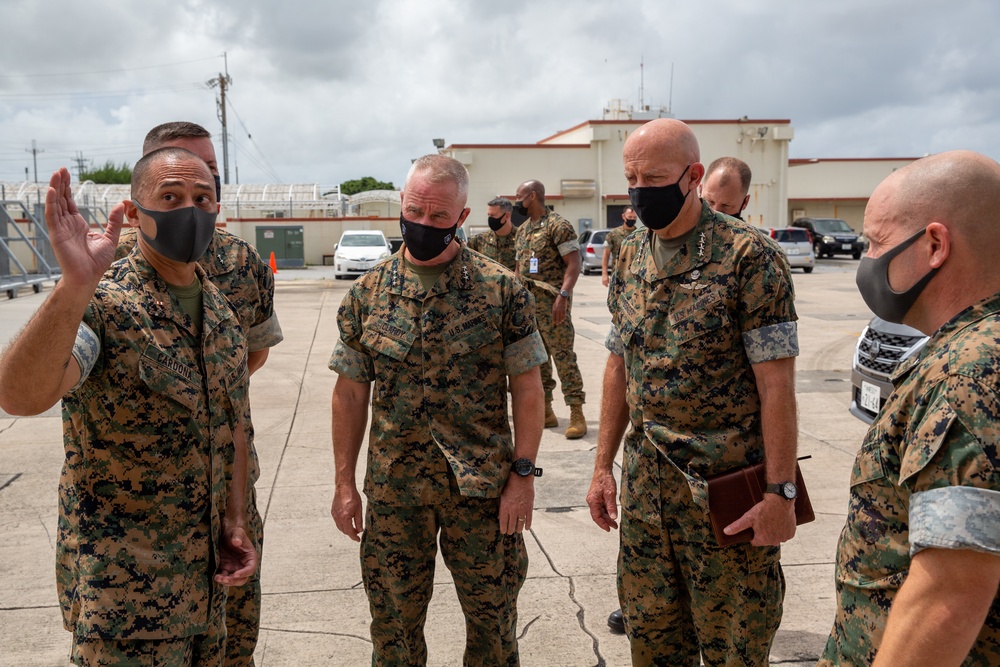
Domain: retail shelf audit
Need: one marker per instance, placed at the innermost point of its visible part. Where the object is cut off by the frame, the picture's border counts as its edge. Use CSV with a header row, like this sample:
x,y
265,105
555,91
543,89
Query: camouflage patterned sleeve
x,y
767,307
614,342
475,242
349,357
564,237
525,354
86,350
955,517
777,341
265,331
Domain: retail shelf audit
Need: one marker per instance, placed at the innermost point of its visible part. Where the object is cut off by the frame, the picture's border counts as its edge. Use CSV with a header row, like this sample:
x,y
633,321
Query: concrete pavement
x,y
315,611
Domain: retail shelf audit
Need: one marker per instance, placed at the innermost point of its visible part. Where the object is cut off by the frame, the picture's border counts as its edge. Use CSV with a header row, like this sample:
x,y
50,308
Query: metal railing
x,y
13,272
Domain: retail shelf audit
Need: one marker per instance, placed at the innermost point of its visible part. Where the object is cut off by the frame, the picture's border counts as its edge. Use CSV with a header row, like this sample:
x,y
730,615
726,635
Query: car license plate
x,y
846,246
870,396
364,266
791,251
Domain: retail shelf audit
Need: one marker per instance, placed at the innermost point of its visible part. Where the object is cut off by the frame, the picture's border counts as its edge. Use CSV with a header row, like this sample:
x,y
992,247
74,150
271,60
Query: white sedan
x,y
358,251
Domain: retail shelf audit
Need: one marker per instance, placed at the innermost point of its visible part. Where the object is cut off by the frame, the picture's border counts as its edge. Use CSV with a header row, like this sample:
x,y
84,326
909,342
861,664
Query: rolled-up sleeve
x,y
955,517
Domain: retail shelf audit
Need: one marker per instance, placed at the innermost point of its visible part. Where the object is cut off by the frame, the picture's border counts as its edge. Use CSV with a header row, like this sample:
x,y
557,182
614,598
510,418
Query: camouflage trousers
x,y
202,650
243,602
559,346
398,551
681,594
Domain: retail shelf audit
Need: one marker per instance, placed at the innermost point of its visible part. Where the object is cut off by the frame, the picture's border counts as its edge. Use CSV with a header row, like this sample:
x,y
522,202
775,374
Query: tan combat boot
x,y
550,416
577,424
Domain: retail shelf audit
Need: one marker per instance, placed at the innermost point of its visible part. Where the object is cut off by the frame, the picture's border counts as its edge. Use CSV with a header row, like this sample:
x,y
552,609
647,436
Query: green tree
x,y
108,174
364,184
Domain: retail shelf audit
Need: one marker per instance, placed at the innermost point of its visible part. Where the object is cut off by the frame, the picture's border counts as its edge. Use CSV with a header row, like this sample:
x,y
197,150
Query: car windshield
x,y
832,225
791,236
362,240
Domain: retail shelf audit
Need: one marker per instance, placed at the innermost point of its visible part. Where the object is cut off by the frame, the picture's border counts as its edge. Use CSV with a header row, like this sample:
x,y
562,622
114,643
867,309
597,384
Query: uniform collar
x,y
696,252
458,276
217,260
974,313
159,303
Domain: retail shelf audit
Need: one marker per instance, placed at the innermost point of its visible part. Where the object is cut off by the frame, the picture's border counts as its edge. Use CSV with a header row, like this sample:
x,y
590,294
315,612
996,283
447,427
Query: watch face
x,y
523,467
788,490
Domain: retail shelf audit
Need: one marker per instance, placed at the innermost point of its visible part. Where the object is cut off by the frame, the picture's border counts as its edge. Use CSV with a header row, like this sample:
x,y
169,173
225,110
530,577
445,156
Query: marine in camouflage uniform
x,y
498,242
159,403
689,335
440,448
498,248
548,240
610,259
236,268
701,366
927,472
918,562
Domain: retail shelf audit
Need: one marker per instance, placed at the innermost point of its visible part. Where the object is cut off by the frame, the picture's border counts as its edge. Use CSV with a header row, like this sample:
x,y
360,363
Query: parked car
x,y
358,251
592,250
797,246
832,236
882,347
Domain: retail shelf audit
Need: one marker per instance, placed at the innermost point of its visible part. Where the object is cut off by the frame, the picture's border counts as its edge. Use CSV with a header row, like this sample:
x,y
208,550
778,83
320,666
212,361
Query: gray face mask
x,y
873,283
182,234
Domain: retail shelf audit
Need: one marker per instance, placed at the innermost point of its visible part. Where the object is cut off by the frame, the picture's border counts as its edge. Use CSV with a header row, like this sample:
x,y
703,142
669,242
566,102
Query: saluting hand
x,y
83,255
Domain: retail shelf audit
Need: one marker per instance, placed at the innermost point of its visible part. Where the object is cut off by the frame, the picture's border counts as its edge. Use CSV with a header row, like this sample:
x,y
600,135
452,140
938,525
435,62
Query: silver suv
x,y
882,347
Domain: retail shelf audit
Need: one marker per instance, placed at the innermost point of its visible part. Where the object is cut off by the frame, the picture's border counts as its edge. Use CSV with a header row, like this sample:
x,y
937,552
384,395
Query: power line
x,y
107,71
270,169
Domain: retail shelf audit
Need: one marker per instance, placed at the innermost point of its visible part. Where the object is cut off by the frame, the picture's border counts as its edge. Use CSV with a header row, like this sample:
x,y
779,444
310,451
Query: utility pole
x,y
81,164
223,81
34,156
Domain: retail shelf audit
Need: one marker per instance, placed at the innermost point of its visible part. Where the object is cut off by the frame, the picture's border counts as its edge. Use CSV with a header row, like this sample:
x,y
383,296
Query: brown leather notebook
x,y
732,493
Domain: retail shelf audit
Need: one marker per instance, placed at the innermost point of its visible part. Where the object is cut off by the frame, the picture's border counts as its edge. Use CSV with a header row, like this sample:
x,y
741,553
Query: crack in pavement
x,y
580,614
10,481
318,632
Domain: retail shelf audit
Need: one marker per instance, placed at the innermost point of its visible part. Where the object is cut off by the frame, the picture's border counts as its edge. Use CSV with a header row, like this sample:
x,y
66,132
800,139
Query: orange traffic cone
x,y
274,265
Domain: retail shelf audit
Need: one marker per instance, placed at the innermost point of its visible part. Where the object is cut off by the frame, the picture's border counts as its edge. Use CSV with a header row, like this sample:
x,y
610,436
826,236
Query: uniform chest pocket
x,y
388,340
691,319
168,377
473,339
868,465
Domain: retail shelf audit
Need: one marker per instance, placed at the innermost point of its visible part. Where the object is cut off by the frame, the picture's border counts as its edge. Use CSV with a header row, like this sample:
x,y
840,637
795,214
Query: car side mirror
x,y
336,245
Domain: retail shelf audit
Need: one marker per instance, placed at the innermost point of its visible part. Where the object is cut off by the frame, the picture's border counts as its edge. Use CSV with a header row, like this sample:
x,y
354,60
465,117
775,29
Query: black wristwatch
x,y
564,294
786,490
525,468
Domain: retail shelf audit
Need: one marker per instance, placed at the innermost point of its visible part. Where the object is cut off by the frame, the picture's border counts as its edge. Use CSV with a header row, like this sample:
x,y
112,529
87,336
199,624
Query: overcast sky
x,y
326,90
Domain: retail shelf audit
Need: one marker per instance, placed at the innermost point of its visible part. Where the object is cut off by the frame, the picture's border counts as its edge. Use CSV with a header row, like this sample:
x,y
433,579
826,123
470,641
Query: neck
x,y
537,213
505,230
449,254
172,272
686,220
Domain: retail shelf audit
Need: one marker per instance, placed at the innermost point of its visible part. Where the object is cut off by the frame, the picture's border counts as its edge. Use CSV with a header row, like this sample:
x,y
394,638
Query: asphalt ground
x,y
314,609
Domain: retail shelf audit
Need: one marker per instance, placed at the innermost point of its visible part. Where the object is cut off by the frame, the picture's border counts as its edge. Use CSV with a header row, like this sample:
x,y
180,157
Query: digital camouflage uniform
x,y
927,475
549,239
498,248
689,336
147,434
613,242
440,446
235,267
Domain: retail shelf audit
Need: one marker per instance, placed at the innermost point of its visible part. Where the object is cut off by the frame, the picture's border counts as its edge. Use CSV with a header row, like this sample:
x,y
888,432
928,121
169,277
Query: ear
x,y
131,214
696,173
940,244
746,200
465,214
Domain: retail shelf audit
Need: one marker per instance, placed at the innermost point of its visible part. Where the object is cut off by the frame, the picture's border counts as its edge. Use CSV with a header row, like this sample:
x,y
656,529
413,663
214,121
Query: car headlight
x,y
829,239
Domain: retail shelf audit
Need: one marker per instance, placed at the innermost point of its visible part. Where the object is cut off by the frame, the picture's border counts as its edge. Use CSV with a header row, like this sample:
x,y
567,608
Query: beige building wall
x,y
582,170
836,187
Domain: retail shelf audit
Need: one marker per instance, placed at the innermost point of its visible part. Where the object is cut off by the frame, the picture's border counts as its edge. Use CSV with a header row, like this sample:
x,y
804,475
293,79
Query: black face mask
x,y
423,241
659,206
495,223
218,187
628,223
182,234
873,283
520,207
